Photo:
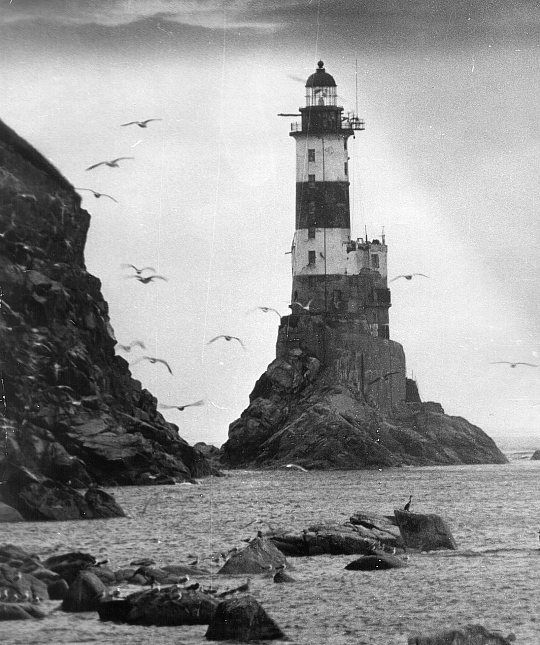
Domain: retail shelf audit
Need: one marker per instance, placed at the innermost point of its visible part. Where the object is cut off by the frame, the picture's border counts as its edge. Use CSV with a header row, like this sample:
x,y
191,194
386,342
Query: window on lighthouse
x,y
311,154
311,257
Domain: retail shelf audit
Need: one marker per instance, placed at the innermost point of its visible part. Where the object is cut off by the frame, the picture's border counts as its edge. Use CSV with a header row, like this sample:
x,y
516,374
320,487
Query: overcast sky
x,y
447,164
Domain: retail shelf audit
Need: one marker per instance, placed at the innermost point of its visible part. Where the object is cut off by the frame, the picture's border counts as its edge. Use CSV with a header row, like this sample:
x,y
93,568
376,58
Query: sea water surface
x,y
493,511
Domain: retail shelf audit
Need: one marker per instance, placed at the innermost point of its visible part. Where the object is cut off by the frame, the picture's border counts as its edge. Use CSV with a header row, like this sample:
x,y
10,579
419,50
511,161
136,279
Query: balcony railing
x,y
348,122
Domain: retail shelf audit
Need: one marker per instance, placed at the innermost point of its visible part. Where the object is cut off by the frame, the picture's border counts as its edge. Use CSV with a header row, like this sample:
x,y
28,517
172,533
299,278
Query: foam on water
x,y
493,511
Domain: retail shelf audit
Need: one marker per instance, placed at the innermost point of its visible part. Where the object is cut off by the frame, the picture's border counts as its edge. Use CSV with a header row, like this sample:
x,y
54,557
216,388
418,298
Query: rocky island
x,y
337,394
72,415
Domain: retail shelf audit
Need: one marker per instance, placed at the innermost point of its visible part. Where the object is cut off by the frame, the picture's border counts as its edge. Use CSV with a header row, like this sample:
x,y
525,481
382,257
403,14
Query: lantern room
x,y
321,88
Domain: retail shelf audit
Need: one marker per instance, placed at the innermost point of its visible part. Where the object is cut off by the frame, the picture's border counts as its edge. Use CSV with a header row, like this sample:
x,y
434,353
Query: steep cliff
x,y
70,410
341,400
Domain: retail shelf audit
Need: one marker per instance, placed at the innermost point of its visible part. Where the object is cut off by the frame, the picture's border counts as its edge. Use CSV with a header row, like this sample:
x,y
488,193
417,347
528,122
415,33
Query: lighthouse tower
x,y
337,274
340,298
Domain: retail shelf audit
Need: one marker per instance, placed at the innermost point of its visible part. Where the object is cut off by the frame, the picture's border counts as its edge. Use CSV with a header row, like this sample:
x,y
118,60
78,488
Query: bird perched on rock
x,y
141,124
513,364
153,359
408,504
137,271
148,278
164,406
226,337
131,345
96,194
112,164
408,276
384,377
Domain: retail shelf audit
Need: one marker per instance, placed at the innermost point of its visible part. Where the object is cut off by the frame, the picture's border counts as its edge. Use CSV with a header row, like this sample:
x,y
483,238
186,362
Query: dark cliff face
x,y
71,410
315,415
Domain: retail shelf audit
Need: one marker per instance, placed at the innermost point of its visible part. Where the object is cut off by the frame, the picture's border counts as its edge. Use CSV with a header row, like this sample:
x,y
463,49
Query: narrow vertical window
x,y
311,179
311,154
311,257
346,167
375,261
311,233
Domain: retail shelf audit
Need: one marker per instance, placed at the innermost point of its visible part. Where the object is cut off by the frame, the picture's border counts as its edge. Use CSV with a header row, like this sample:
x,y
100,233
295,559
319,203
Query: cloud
x,y
212,14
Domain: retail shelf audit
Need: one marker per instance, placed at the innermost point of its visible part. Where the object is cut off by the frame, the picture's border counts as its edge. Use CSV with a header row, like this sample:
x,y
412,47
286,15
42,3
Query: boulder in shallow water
x,y
328,539
536,455
58,589
469,635
425,532
84,593
69,565
166,606
102,504
242,619
19,611
258,556
21,586
375,563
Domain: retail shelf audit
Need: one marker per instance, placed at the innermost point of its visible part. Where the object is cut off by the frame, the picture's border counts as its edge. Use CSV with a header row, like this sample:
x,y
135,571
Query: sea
x,y
492,579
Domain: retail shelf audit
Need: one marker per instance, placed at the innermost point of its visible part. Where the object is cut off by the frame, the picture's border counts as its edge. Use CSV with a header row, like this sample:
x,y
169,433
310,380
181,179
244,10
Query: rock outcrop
x,y
425,532
72,413
316,407
469,635
242,619
536,455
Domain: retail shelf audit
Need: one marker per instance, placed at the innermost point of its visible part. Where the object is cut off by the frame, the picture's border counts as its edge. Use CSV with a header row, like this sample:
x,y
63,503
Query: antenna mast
x,y
356,85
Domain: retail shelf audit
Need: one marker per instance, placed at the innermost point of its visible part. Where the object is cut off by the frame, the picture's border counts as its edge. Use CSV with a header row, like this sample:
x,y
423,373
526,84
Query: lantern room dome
x,y
321,78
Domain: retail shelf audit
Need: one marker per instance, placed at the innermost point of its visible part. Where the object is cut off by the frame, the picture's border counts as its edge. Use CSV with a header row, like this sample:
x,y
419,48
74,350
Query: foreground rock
x,y
425,532
167,606
259,556
332,539
242,619
375,563
85,593
21,587
536,455
470,635
69,565
19,611
311,408
8,514
75,415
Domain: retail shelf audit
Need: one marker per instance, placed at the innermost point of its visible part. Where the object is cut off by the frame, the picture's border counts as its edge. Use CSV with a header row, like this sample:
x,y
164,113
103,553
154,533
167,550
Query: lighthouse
x,y
340,298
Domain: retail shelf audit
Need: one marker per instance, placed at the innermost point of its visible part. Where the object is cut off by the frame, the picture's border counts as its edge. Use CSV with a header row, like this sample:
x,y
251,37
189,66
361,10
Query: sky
x,y
447,165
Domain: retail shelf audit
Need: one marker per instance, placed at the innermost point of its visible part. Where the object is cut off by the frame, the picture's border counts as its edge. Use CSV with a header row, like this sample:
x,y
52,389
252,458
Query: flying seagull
x,y
164,406
408,276
131,345
148,278
137,271
384,377
152,359
267,309
513,364
226,338
296,467
306,307
141,124
96,194
112,164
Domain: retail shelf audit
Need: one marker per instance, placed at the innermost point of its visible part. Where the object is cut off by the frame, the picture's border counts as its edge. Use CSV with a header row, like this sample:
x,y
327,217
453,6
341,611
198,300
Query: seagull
x,y
296,467
408,276
130,346
384,377
148,278
137,271
267,310
96,194
513,364
152,360
141,124
164,406
306,307
226,338
112,164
